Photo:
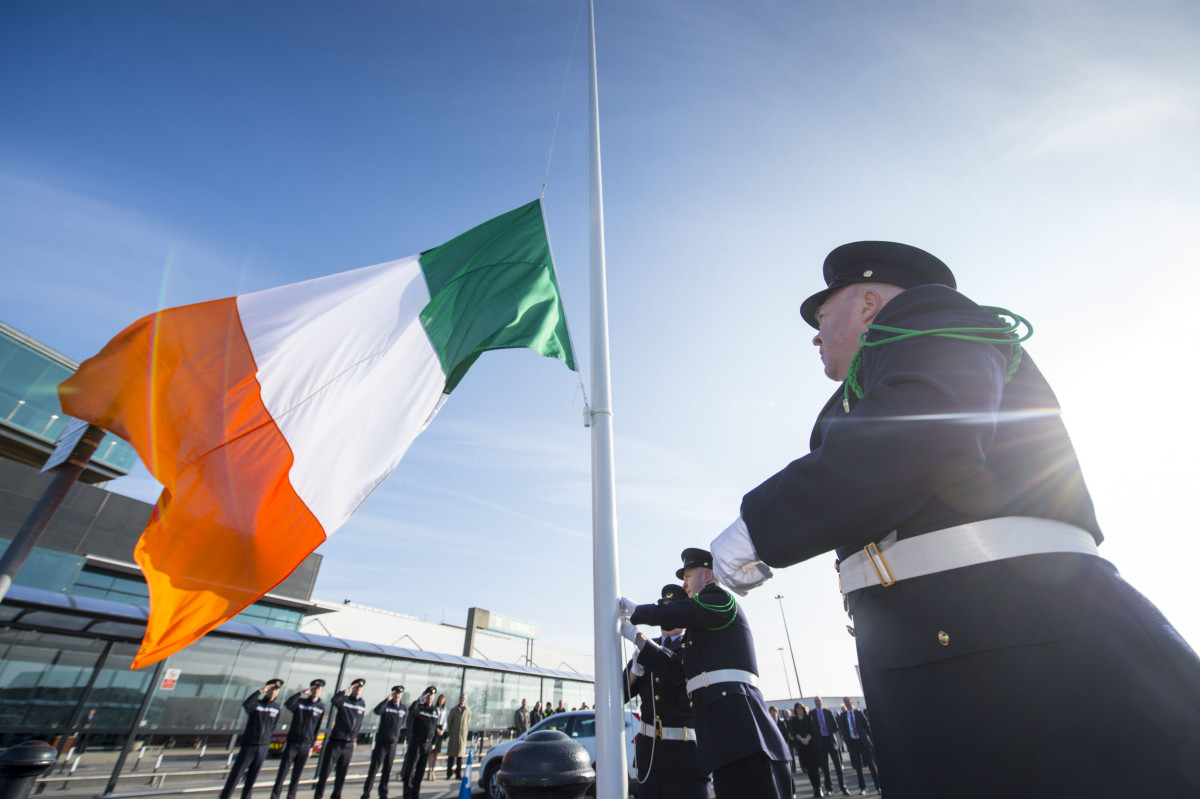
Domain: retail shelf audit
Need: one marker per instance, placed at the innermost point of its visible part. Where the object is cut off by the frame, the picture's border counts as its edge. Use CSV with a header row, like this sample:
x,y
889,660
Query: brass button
x,y
658,679
691,704
943,639
722,693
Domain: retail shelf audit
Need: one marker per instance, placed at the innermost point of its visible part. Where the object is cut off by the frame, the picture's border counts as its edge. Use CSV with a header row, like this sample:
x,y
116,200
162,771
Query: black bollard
x,y
546,765
21,765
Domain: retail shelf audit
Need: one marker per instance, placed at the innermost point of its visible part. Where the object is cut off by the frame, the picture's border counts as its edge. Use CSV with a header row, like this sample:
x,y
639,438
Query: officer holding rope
x,y
736,739
668,762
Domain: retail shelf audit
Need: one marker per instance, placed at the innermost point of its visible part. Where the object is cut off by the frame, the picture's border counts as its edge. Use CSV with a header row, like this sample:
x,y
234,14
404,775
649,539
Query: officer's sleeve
x,y
926,420
379,708
338,700
251,702
660,659
630,683
682,613
293,701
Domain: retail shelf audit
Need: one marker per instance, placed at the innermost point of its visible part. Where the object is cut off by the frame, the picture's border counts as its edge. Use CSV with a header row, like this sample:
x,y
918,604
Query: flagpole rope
x,y
562,98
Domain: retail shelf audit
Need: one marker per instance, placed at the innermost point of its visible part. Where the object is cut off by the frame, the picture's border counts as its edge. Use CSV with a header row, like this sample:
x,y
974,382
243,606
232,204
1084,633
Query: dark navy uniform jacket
x,y
937,440
307,714
391,721
347,717
264,715
950,661
422,723
731,719
663,694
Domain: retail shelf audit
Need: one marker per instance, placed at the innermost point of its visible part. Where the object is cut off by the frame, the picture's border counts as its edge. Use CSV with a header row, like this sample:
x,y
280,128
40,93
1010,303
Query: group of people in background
x,y
524,717
423,724
812,737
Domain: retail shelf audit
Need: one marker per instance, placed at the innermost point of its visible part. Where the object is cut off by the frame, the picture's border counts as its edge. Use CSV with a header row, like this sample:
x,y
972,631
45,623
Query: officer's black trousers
x,y
810,764
754,777
336,756
294,757
248,761
829,751
861,750
413,770
668,770
382,757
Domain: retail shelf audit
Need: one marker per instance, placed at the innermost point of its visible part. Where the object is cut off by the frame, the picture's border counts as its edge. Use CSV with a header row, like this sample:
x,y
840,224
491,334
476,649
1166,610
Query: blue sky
x,y
155,154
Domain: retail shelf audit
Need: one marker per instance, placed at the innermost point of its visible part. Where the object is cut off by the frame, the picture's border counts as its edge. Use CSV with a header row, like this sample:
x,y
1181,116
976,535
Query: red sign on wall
x,y
170,677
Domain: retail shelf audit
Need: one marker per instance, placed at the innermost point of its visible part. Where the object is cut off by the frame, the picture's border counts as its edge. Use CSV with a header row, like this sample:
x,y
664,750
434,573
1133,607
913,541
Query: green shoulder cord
x,y
724,607
1010,323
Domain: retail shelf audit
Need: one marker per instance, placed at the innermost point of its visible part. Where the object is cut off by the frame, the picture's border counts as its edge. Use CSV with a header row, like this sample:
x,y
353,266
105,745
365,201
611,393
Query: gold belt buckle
x,y
873,553
658,728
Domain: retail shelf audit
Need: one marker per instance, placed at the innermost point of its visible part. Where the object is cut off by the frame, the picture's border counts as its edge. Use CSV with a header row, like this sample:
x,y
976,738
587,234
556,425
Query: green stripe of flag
x,y
494,288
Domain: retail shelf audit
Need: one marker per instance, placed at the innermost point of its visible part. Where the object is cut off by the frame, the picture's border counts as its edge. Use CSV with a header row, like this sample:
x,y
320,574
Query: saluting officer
x,y
307,713
735,735
264,714
391,712
423,719
348,709
667,759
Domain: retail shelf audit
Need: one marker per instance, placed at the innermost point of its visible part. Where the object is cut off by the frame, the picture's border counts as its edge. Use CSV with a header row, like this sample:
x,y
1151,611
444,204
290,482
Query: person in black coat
x,y
263,714
308,711
668,762
392,725
808,745
942,474
348,708
735,735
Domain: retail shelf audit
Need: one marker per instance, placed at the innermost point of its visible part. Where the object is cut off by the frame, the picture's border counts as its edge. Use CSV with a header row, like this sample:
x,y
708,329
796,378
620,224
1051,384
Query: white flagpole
x,y
611,766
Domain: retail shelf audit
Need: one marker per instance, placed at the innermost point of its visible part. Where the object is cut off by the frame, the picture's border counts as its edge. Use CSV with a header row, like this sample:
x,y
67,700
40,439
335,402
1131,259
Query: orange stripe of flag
x,y
180,386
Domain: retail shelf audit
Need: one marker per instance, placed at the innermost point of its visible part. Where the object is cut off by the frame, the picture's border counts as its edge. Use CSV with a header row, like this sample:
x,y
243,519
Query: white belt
x,y
669,733
890,560
706,678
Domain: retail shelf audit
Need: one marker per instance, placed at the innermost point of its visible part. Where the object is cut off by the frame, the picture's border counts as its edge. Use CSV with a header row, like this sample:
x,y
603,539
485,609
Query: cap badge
x,y
868,273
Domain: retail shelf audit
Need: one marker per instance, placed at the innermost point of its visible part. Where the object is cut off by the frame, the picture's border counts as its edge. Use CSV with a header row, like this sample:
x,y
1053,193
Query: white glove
x,y
628,606
635,668
735,563
629,630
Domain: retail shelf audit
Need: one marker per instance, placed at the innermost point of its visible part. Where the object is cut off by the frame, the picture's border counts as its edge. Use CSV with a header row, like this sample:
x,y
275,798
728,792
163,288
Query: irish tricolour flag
x,y
270,417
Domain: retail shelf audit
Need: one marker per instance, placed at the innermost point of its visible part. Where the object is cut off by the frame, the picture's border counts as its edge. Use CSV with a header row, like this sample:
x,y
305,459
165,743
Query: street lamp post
x,y
799,690
786,681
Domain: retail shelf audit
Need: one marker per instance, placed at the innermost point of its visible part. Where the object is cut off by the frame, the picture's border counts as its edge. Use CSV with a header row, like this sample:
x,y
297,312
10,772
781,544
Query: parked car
x,y
580,725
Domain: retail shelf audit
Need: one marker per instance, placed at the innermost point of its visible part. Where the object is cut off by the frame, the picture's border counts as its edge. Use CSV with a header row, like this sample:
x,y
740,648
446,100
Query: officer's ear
x,y
873,297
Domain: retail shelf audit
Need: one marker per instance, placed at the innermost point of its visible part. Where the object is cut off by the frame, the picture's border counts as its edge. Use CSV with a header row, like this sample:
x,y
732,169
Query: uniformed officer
x,y
668,762
423,720
348,708
942,474
263,712
736,738
392,713
308,711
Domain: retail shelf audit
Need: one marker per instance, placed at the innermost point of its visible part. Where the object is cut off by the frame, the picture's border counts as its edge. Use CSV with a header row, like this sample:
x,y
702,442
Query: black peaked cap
x,y
694,556
876,262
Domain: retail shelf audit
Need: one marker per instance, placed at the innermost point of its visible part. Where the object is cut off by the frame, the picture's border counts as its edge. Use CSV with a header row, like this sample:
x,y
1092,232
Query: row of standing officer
x,y
308,714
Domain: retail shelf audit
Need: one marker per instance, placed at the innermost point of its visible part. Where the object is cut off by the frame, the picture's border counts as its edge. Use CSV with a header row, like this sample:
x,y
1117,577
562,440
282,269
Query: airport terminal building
x,y
71,623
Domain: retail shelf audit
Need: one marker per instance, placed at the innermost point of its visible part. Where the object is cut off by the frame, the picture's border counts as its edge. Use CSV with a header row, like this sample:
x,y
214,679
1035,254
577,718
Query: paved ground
x,y
183,772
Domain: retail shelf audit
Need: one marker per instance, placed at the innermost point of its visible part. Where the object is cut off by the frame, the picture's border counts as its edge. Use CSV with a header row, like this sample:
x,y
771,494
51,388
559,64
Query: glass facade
x,y
134,591
29,382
